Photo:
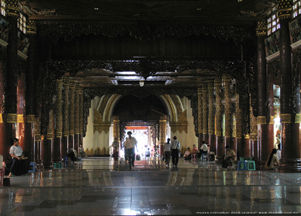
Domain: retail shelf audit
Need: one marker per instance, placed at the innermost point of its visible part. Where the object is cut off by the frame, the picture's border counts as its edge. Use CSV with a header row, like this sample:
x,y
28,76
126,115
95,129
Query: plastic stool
x,y
33,166
251,165
242,165
57,165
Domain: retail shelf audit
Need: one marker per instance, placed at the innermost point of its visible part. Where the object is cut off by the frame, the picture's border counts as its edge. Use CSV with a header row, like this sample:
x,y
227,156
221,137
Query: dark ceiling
x,y
209,11
171,30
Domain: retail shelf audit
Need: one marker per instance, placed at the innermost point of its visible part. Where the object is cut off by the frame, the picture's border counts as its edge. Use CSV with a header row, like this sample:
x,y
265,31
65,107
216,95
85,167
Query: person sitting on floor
x,y
16,153
187,154
229,157
71,156
194,152
272,161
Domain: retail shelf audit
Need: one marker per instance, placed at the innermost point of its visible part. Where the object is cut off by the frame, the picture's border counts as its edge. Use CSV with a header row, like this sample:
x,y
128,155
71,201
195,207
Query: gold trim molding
x,y
30,119
11,118
286,118
20,118
261,120
298,118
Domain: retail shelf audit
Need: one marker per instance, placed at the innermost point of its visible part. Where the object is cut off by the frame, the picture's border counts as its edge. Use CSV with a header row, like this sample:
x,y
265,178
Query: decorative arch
x,y
107,116
107,103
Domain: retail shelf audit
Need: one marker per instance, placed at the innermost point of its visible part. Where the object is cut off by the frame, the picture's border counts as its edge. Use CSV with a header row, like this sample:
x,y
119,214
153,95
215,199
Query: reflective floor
x,y
97,186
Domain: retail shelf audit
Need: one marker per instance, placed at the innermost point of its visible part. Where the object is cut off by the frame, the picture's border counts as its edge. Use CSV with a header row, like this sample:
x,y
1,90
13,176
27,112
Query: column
x,y
220,146
205,112
10,107
77,118
262,126
65,144
291,151
58,144
81,116
251,140
270,110
116,128
50,138
211,115
239,127
228,113
163,123
29,95
71,115
2,102
200,117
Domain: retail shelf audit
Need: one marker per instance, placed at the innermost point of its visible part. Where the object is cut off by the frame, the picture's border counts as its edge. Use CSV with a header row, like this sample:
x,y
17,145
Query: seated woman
x,y
229,157
71,156
194,152
187,154
272,161
18,165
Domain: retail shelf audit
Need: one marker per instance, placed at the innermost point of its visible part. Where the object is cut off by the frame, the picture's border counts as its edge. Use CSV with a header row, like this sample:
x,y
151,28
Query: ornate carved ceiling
x,y
83,27
219,11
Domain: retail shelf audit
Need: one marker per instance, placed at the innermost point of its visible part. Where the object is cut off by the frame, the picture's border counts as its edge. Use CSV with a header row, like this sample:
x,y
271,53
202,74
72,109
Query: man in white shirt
x,y
129,145
15,152
175,148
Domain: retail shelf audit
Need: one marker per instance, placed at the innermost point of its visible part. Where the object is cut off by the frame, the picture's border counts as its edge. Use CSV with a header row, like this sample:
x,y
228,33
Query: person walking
x,y
175,148
129,145
167,153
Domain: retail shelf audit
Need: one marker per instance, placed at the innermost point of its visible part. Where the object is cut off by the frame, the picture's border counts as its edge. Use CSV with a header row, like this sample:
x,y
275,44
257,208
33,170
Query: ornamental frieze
x,y
69,31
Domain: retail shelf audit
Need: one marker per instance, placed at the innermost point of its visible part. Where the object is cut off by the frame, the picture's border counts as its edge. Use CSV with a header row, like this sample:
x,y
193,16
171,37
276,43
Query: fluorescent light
x,y
126,73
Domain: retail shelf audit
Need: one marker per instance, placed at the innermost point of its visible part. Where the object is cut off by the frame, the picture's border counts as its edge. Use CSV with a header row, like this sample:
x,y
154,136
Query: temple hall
x,y
150,107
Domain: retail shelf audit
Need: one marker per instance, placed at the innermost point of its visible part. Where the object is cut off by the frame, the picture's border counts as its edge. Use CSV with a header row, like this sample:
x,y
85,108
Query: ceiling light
x,y
141,83
115,82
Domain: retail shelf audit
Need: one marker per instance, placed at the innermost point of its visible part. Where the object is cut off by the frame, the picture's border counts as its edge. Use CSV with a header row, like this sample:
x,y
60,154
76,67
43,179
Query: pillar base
x,y
211,142
220,147
290,165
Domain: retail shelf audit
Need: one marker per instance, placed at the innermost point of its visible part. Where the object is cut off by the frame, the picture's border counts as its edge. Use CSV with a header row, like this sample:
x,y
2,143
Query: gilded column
x,y
66,118
228,113
205,112
37,139
116,128
251,140
162,133
262,125
29,144
239,127
10,107
211,115
290,98
71,115
76,120
58,144
81,117
200,116
50,135
220,146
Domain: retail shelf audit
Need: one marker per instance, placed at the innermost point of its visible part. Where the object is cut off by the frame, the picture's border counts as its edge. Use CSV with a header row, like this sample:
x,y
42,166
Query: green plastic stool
x,y
251,165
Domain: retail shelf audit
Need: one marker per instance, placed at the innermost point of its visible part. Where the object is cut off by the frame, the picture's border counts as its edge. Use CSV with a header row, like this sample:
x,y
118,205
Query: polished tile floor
x,y
97,186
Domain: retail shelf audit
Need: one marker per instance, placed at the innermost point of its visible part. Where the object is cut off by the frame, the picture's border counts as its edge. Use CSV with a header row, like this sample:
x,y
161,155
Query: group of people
x,y
172,148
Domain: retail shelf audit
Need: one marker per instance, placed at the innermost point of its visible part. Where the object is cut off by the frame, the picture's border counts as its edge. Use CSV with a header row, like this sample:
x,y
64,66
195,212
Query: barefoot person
x,y
15,152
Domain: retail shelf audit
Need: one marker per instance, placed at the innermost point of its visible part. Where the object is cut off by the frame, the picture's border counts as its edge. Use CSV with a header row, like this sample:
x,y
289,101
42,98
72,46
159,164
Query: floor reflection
x,y
101,186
